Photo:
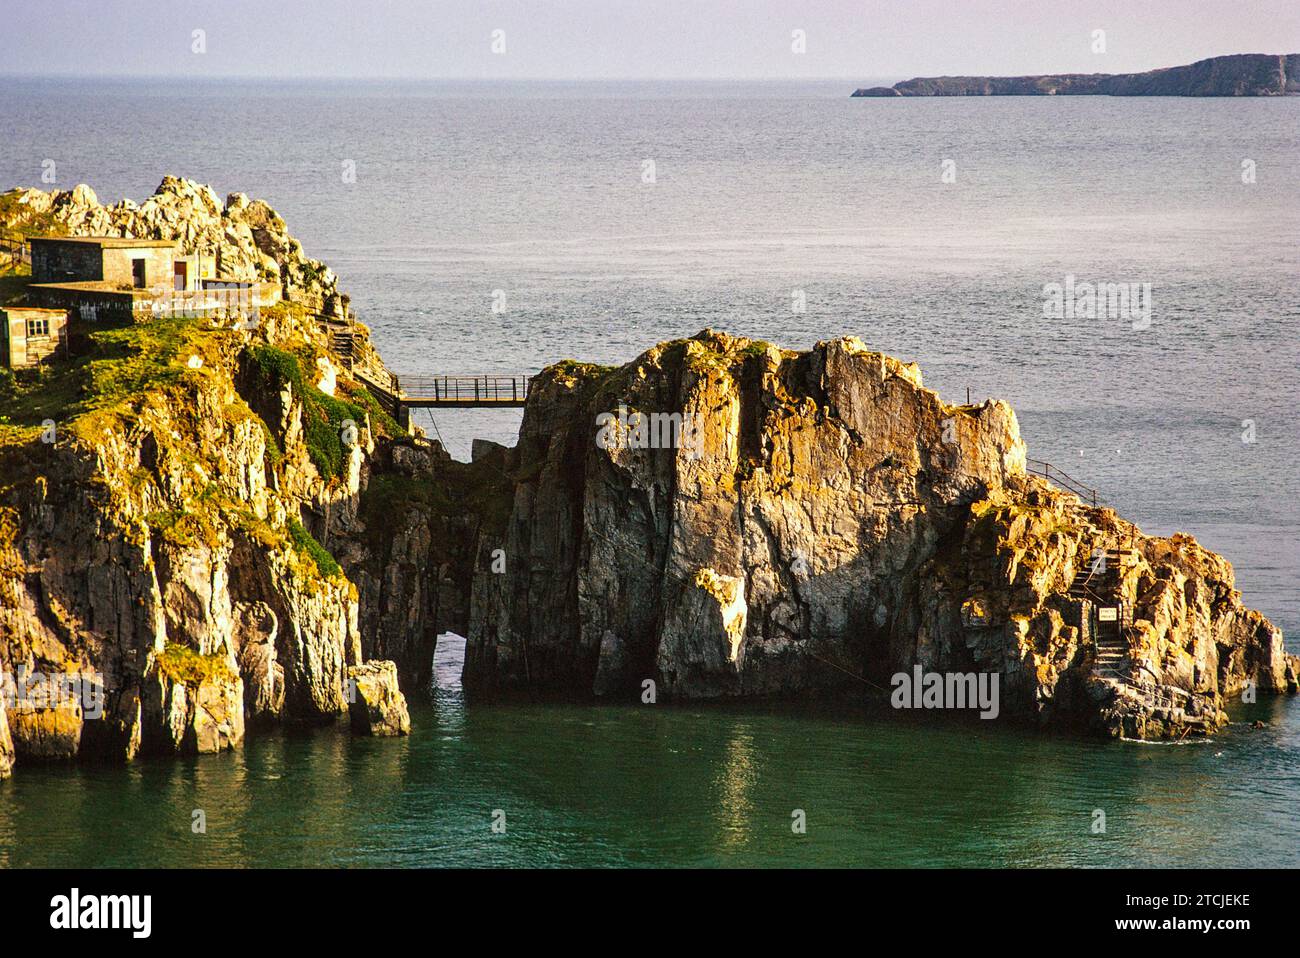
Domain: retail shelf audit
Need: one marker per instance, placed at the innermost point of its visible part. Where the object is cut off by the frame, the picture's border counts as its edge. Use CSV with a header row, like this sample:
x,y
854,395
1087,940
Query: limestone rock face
x,y
45,733
378,706
753,563
174,539
823,523
255,634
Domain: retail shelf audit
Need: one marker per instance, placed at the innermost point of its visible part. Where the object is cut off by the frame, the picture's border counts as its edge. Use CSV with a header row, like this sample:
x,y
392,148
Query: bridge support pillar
x,y
404,416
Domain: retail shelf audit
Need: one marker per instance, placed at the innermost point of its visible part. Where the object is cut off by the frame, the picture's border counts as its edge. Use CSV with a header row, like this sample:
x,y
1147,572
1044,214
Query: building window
x,y
38,328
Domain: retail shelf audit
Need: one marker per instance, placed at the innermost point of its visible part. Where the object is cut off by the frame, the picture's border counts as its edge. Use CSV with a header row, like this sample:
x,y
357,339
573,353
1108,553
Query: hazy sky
x,y
631,38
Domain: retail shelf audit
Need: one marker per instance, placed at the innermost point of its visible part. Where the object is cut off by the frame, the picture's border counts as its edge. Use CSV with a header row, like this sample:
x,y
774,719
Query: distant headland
x,y
1242,74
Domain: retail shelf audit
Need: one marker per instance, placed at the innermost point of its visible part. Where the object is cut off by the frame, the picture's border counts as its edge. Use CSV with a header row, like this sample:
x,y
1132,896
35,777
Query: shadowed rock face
x,y
1245,74
832,523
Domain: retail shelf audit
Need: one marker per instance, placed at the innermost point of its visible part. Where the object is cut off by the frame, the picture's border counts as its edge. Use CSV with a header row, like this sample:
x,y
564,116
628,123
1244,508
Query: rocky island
x,y
1243,74
221,525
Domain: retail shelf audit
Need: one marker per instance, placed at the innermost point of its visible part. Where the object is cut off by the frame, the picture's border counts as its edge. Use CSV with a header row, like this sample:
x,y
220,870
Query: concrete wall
x,y
61,261
56,262
106,301
22,350
157,269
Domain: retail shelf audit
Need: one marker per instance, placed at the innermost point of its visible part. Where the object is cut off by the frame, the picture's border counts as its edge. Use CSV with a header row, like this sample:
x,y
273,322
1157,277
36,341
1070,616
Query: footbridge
x,y
399,393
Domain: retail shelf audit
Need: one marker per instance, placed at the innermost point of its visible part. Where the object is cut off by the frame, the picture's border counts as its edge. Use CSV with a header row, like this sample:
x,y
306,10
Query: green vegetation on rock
x,y
182,664
323,415
307,545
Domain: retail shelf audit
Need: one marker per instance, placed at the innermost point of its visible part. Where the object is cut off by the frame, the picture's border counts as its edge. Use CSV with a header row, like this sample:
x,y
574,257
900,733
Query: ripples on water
x,y
761,189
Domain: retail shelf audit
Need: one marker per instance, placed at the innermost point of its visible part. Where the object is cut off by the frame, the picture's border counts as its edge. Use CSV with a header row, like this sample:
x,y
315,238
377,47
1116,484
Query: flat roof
x,y
112,242
31,309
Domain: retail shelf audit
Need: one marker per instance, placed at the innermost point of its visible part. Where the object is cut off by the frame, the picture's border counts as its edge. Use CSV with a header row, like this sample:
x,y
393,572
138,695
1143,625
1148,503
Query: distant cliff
x,y
1242,74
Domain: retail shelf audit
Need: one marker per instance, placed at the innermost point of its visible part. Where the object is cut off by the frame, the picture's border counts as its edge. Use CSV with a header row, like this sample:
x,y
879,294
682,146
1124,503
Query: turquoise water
x,y
663,786
536,190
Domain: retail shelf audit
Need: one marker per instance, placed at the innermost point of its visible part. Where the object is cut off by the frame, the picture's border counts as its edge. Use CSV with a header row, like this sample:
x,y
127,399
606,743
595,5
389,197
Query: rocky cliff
x,y
168,497
209,527
1245,74
829,524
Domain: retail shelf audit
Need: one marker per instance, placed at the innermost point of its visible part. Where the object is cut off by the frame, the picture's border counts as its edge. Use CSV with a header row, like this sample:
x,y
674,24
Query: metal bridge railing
x,y
462,389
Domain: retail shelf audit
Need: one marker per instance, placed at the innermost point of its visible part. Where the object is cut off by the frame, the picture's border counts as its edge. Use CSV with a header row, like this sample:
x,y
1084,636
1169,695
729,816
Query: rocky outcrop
x,y
190,703
1245,74
376,705
822,523
170,534
225,531
247,238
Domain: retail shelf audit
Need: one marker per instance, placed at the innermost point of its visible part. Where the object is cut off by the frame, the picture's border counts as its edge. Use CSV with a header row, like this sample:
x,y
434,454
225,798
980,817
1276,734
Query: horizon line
x,y
424,78
764,78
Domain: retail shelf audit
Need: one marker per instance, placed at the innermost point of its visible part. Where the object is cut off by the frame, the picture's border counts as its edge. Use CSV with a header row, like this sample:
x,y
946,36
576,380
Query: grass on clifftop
x,y
121,363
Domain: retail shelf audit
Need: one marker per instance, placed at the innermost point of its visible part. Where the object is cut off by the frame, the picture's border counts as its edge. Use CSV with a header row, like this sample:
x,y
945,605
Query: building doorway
x,y
180,275
137,273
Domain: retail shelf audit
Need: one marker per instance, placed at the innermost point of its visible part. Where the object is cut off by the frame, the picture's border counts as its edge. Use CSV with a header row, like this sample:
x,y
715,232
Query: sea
x,y
496,227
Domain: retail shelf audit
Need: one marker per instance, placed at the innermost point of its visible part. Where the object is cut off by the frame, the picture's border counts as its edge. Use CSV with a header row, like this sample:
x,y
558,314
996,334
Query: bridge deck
x,y
462,392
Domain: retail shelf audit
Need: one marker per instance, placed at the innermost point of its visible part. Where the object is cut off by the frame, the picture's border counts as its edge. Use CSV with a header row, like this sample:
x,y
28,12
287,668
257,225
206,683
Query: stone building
x,y
117,262
31,334
109,275
98,277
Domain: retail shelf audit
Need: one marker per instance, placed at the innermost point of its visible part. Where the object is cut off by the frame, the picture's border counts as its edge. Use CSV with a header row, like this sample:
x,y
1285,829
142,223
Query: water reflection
x,y
663,785
448,694
733,785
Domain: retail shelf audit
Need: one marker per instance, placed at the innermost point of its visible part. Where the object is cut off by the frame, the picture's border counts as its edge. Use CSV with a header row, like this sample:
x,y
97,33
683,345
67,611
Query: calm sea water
x,y
537,190
658,786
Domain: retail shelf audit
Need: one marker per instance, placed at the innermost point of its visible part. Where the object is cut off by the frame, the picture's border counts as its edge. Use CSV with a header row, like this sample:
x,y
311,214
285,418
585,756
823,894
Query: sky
x,y
655,39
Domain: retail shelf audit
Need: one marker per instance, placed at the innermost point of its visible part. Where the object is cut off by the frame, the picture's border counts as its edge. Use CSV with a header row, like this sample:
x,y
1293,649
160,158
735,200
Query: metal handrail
x,y
1049,472
485,388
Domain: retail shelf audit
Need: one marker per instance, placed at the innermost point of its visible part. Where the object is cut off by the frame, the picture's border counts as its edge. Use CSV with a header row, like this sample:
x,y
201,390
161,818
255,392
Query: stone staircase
x,y
342,342
1098,583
